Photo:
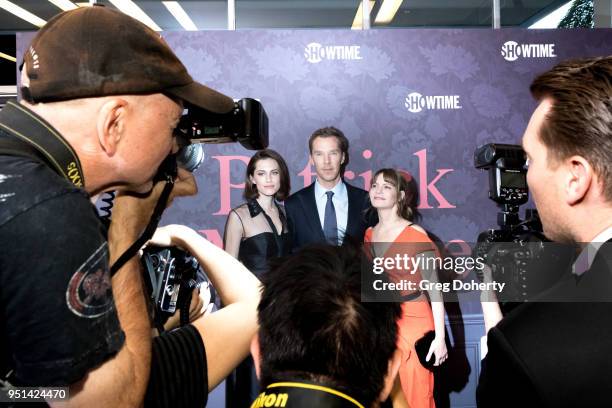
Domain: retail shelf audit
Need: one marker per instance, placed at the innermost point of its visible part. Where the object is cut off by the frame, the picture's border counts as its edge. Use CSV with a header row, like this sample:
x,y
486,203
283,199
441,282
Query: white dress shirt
x,y
340,200
585,259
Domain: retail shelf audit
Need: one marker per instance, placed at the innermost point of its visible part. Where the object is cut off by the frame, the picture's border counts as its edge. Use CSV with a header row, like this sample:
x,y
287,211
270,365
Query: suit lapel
x,y
311,213
354,207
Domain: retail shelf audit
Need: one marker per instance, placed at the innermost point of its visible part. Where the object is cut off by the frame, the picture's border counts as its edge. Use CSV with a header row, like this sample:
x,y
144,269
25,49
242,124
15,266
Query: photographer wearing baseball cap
x,y
101,96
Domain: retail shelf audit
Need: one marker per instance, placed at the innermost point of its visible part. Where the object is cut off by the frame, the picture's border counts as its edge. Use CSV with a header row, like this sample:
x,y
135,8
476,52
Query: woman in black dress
x,y
256,231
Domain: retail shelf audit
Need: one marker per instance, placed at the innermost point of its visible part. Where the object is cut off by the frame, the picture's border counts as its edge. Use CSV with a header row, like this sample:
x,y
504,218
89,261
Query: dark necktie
x,y
330,225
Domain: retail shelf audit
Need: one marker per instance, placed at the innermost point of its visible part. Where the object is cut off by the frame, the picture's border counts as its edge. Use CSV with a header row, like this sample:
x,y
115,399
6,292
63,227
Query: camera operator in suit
x,y
555,350
329,208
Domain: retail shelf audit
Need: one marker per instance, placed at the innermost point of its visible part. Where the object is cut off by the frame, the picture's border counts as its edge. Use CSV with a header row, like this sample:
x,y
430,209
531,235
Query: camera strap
x,y
149,231
302,394
15,147
31,136
167,172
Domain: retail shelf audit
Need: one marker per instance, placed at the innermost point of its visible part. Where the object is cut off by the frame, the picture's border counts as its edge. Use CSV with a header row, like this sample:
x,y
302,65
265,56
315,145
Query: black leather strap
x,y
14,147
21,124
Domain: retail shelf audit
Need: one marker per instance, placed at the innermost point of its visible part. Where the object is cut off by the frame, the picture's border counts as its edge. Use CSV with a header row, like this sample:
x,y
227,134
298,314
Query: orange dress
x,y
417,319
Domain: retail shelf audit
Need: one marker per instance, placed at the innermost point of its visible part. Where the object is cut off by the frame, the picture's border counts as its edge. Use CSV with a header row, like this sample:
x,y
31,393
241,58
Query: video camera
x,y
517,247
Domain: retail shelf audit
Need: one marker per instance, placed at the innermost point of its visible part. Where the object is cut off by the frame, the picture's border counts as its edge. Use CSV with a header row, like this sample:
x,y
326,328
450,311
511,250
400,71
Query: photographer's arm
x,y
122,380
226,333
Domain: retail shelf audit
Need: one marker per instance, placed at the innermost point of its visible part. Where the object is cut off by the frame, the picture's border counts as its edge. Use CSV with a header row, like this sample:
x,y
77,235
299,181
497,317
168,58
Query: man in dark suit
x,y
556,351
329,209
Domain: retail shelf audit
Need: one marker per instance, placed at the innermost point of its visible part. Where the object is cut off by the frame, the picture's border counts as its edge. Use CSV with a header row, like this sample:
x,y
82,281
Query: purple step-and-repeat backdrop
x,y
420,100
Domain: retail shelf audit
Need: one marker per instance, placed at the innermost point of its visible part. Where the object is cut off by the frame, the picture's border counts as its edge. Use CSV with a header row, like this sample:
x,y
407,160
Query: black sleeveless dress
x,y
262,242
256,250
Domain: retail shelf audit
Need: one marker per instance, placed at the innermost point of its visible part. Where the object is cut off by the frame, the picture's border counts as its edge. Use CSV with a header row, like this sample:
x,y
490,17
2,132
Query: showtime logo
x,y
315,52
415,102
511,51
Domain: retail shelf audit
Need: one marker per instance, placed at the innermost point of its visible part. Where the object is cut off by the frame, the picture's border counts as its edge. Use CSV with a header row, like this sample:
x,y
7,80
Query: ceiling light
x,y
22,13
358,20
131,9
8,57
64,4
387,11
181,16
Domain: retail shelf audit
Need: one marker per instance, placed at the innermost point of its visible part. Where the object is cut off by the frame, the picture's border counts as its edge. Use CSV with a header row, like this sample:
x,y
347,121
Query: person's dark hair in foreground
x,y
554,351
315,329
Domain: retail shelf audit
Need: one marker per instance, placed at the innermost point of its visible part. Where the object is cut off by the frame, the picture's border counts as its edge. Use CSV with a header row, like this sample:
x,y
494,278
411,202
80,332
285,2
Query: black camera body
x,y
246,123
172,276
516,251
511,255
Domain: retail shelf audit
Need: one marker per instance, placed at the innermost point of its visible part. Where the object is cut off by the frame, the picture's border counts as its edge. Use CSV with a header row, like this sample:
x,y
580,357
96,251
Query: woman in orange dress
x,y
394,234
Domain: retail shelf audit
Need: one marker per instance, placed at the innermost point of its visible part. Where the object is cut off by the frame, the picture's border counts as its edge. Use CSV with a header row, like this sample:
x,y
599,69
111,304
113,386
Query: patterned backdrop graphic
x,y
418,100
359,82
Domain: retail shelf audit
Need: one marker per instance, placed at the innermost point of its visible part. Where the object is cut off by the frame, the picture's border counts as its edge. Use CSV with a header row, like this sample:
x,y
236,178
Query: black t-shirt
x,y
57,314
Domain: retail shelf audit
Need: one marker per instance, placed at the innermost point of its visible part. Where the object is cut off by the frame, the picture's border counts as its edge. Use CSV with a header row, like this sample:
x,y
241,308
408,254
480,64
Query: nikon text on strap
x,y
294,394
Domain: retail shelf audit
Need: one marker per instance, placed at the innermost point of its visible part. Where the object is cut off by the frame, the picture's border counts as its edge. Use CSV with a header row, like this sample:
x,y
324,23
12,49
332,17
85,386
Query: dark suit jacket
x,y
546,354
303,217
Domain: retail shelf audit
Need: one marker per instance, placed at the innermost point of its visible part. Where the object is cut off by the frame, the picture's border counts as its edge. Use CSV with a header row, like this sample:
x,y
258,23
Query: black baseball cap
x,y
97,51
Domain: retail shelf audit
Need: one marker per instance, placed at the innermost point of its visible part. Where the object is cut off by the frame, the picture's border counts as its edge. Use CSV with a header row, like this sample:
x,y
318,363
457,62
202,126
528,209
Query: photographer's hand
x,y
184,185
169,235
196,310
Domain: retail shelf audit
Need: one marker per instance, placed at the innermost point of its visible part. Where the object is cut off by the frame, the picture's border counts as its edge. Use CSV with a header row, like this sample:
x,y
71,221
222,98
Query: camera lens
x,y
190,157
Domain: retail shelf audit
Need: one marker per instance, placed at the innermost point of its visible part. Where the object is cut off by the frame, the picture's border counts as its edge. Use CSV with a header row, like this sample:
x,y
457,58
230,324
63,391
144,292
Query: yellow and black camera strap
x,y
300,394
